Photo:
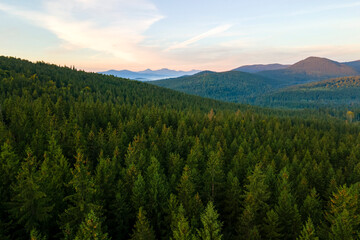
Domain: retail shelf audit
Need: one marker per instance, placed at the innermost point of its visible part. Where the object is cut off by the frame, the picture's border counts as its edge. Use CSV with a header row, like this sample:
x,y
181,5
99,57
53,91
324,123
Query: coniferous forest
x,y
89,156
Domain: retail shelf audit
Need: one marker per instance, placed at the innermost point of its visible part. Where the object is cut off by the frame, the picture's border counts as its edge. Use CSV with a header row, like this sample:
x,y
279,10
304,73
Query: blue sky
x,y
218,35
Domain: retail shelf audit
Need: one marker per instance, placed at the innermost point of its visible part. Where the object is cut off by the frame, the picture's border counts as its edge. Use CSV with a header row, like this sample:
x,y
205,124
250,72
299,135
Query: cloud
x,y
110,26
213,32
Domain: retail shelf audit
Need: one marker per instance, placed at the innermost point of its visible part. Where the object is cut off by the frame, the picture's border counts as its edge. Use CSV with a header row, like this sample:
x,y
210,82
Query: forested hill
x,y
309,70
85,156
233,86
40,78
339,92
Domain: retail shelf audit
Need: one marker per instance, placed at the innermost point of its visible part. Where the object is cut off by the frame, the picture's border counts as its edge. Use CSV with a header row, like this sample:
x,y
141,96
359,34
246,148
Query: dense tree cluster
x,y
333,93
86,156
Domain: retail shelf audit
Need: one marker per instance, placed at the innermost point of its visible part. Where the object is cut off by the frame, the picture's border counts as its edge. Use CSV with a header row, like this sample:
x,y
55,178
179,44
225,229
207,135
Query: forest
x,y
89,156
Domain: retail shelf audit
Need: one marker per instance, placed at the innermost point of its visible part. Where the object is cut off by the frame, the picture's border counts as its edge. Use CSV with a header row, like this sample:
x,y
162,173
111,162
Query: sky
x,y
218,35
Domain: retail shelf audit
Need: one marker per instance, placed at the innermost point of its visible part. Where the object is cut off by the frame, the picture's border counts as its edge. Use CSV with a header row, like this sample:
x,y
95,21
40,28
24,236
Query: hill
x,y
260,67
354,64
233,86
309,70
148,74
344,91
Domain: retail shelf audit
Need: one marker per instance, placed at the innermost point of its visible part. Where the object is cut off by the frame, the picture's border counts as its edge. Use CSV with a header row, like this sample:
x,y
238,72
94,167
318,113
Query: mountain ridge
x,y
255,68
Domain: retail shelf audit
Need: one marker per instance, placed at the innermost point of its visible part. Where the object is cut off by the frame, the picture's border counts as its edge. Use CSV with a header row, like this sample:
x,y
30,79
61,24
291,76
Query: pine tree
x,y
214,174
158,192
84,196
287,210
186,190
308,232
232,206
9,166
181,229
139,193
142,229
312,207
256,195
211,224
271,226
30,205
343,214
54,174
91,229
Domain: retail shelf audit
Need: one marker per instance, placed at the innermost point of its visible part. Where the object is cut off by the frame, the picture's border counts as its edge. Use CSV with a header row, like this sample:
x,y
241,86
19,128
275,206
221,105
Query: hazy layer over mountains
x,y
149,75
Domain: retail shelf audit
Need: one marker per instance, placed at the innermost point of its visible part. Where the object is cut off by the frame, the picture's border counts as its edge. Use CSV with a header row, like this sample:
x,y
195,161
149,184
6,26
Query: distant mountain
x,y
322,66
355,65
149,75
232,86
260,67
333,92
309,70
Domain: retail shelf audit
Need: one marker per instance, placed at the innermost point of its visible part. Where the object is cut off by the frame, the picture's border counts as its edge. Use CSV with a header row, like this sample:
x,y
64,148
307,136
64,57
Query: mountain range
x,y
238,86
148,74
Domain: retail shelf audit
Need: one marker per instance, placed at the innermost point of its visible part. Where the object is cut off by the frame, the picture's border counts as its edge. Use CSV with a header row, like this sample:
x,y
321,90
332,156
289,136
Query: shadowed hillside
x,y
230,86
343,91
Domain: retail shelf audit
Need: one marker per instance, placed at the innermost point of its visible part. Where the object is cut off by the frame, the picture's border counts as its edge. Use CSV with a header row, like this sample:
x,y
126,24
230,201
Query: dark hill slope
x,y
344,91
230,86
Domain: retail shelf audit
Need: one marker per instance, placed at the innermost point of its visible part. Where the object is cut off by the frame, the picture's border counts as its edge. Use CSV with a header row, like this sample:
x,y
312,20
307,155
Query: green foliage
x,y
211,224
272,228
286,209
308,232
343,214
142,229
214,174
83,199
35,235
256,195
139,193
181,229
30,206
90,228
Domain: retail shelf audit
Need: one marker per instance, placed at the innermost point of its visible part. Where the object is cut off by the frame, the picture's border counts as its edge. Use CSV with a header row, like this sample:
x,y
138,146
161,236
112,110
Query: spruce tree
x,y
271,226
30,206
214,175
142,229
343,214
84,197
181,229
139,193
211,224
308,231
286,209
256,195
232,205
91,229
